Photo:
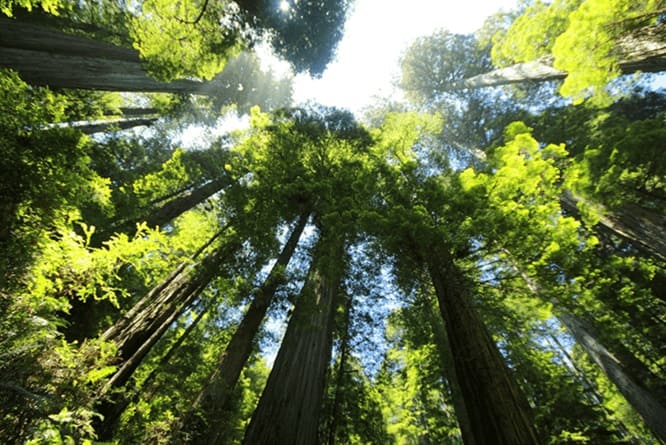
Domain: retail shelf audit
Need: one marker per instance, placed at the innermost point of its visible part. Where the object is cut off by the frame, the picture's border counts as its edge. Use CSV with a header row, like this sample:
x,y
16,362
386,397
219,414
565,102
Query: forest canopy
x,y
189,256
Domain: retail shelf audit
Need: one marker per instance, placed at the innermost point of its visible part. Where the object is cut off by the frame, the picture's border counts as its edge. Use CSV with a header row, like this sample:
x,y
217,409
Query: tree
x,y
626,38
290,405
45,56
214,399
306,34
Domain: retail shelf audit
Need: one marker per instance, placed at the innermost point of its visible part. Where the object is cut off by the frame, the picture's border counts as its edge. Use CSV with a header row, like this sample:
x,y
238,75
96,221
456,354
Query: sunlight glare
x,y
284,6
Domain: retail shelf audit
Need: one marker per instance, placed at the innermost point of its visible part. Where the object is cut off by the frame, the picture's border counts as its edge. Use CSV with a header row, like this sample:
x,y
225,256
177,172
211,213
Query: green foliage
x,y
48,389
185,38
306,34
582,37
417,406
52,168
432,64
49,6
533,33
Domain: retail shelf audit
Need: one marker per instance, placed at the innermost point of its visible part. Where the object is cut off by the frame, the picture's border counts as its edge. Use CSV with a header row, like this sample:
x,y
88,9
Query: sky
x,y
376,34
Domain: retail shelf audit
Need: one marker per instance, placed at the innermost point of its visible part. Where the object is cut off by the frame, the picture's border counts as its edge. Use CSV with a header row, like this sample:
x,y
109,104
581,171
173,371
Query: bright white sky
x,y
376,34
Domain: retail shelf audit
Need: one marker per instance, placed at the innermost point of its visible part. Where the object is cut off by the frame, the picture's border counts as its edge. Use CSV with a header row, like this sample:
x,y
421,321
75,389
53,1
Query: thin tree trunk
x,y
290,405
44,56
641,50
160,216
92,127
623,369
116,124
215,399
643,401
497,409
134,112
340,378
643,229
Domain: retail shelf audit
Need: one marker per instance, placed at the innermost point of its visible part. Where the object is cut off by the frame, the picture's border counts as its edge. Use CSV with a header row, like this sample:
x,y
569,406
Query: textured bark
x,y
644,49
215,399
142,326
497,409
44,56
113,410
643,401
340,378
135,335
449,373
290,405
642,228
165,213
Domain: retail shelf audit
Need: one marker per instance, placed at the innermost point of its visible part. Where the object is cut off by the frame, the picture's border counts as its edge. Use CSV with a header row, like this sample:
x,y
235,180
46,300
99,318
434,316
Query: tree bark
x,y
496,407
44,56
629,375
643,50
643,229
340,378
449,373
134,331
134,112
289,409
92,127
214,400
136,334
160,216
643,401
118,124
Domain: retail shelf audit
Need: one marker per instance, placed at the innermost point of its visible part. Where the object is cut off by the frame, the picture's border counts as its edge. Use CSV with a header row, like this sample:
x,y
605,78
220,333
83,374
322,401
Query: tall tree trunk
x,y
213,403
168,211
44,56
497,409
290,405
643,401
623,369
116,124
134,112
449,373
111,410
134,330
340,378
136,334
642,228
641,50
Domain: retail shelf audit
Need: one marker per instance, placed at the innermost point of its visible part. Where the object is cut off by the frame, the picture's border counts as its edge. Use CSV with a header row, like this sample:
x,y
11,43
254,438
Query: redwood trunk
x,y
641,50
112,411
643,390
643,401
136,334
643,229
44,56
116,124
214,401
497,409
449,373
289,409
141,327
160,216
